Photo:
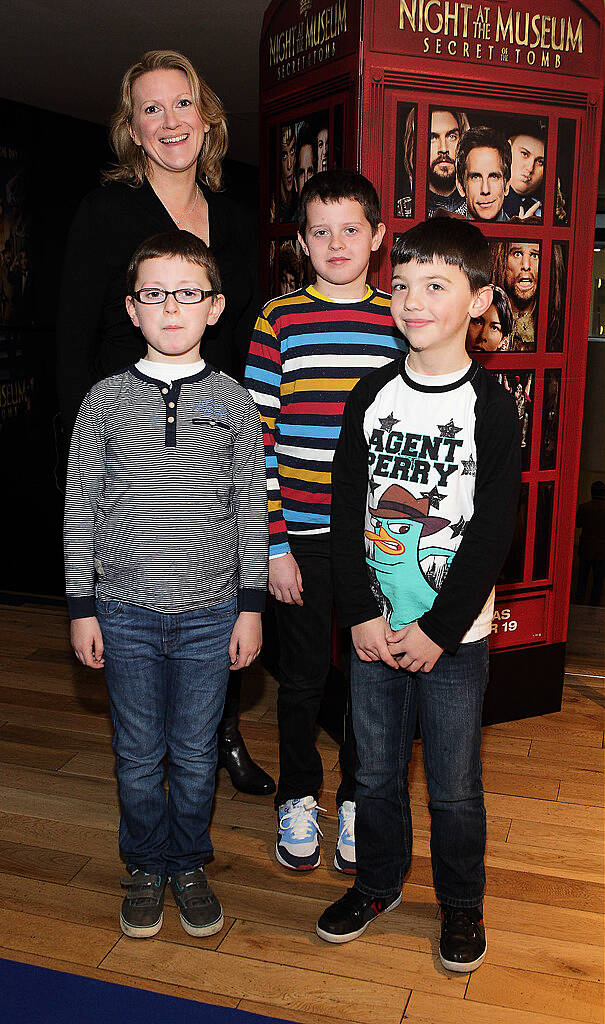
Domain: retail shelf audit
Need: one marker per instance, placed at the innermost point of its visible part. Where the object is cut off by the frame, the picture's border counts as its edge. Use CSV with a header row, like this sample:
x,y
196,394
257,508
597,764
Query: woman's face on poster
x,y
485,333
527,170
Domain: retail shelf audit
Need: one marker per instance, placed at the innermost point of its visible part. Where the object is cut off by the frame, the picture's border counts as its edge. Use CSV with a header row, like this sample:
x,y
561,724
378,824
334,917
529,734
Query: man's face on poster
x,y
444,138
305,168
527,170
522,271
484,184
288,147
322,150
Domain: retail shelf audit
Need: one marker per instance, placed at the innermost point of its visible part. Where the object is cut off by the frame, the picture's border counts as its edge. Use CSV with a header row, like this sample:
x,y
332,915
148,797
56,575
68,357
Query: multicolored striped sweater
x,y
306,355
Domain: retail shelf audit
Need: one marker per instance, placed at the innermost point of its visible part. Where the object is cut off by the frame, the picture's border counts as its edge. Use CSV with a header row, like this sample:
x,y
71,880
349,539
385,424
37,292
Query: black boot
x,y
246,775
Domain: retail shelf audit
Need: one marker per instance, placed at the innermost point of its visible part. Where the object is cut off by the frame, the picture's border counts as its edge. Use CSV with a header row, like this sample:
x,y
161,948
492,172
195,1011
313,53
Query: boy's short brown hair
x,y
457,242
171,244
334,185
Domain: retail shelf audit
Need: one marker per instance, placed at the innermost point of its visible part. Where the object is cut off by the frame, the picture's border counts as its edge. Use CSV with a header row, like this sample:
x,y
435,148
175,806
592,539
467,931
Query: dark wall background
x,y
48,162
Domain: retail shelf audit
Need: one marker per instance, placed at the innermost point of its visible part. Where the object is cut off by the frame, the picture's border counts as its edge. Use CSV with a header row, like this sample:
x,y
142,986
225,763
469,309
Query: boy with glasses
x,y
166,571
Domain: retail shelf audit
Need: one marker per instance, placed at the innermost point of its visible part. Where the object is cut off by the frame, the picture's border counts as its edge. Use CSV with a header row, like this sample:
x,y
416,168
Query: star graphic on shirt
x,y
448,429
373,484
470,467
434,497
459,527
388,422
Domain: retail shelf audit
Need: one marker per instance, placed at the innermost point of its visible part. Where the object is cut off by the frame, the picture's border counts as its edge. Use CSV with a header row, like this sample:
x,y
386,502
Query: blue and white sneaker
x,y
297,845
344,858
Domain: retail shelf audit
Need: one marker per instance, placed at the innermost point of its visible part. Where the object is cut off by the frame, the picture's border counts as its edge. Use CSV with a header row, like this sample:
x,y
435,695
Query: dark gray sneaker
x,y
201,912
142,912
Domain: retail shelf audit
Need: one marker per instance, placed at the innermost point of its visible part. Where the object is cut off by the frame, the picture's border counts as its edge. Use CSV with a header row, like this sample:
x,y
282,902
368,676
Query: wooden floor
x,y
59,864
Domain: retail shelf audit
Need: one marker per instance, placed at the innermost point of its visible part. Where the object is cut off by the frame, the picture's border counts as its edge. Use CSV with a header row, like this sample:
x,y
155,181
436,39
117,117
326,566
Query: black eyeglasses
x,y
187,296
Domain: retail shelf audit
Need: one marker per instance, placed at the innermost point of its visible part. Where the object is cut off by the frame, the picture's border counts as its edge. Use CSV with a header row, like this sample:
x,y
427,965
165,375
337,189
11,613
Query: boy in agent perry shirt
x,y
308,350
425,487
166,526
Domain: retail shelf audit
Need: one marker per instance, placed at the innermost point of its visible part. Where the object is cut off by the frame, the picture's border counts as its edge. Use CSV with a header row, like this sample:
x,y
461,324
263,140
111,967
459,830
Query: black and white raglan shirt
x,y
425,489
166,498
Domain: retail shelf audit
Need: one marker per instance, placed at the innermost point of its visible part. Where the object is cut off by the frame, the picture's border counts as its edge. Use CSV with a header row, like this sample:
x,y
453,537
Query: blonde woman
x,y
169,134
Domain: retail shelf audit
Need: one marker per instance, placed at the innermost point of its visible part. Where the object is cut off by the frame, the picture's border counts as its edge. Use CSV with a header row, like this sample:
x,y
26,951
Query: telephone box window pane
x,y
566,145
337,158
556,297
513,567
516,269
273,157
291,267
405,159
546,492
312,149
520,384
550,419
271,254
286,192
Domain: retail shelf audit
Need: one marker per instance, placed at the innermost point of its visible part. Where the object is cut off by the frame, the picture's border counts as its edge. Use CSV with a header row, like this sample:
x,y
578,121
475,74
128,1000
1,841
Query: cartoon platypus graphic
x,y
395,554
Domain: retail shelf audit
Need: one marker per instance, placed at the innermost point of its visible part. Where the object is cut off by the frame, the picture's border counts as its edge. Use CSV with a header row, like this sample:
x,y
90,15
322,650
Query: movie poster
x,y
516,271
556,296
566,145
550,418
291,265
305,147
299,148
16,288
16,305
543,533
521,385
512,571
492,331
407,115
486,166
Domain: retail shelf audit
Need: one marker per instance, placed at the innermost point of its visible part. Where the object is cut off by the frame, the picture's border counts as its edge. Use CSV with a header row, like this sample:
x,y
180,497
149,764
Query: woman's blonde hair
x,y
132,160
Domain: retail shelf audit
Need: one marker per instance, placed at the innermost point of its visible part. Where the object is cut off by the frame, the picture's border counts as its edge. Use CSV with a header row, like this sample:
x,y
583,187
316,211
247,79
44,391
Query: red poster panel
x,y
422,91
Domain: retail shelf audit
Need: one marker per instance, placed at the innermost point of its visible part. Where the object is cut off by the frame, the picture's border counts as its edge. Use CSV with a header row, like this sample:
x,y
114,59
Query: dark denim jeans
x,y
166,676
448,701
305,647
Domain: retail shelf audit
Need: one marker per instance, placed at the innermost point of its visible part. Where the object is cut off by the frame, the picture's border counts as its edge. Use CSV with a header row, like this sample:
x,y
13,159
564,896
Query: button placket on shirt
x,y
170,395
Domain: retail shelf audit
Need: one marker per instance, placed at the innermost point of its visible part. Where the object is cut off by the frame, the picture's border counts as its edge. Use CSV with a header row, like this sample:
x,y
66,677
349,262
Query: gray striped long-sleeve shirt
x,y
166,498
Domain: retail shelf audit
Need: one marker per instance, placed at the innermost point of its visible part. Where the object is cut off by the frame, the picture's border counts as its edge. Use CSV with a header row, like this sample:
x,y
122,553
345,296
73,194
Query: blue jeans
x,y
448,701
166,676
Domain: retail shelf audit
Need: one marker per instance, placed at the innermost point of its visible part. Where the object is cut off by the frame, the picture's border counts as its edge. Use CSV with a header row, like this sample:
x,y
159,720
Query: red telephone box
x,y
417,94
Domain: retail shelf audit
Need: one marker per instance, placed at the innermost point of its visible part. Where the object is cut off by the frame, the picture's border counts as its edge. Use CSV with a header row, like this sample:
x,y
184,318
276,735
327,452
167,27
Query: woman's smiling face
x,y
165,121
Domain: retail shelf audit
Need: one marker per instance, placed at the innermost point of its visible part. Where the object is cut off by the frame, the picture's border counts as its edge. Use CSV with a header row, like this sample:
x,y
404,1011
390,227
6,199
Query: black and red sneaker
x,y
463,945
349,917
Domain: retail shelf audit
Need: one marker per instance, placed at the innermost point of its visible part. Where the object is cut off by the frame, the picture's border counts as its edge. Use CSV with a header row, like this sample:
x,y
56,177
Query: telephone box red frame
x,y
356,61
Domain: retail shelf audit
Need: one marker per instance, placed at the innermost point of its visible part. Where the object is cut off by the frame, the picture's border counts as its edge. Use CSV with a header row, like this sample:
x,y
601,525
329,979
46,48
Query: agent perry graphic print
x,y
394,554
420,489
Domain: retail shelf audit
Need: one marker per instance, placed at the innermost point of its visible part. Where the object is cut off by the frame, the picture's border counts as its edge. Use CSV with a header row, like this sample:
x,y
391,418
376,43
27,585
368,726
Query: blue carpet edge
x,y
42,995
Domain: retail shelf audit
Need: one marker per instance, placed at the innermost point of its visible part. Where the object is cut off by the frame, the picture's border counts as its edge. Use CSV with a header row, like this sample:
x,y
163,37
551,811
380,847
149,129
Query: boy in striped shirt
x,y
308,350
